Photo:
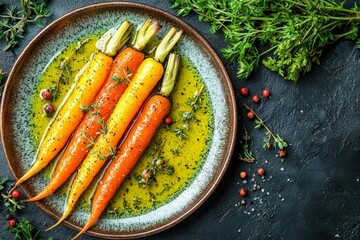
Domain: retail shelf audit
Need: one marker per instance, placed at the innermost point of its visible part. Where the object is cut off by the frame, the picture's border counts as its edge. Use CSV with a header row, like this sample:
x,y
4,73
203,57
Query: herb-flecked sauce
x,y
184,155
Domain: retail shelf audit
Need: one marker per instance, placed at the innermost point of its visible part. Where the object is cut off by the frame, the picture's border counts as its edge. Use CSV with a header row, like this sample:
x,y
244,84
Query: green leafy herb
x,y
156,165
88,108
180,133
247,155
189,116
278,141
294,31
2,183
13,22
24,230
122,80
90,139
65,70
103,130
12,204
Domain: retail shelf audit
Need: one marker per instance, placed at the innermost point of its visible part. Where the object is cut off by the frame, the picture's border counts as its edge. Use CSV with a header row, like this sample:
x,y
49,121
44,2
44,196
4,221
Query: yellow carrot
x,y
70,113
144,80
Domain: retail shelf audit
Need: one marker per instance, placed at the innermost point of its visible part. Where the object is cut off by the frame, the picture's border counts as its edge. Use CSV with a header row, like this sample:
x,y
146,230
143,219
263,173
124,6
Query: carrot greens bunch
x,y
294,31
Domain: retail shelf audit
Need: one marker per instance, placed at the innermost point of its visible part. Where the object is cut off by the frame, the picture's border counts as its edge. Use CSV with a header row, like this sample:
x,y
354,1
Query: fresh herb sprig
x,y
247,155
24,230
156,165
294,31
13,22
189,116
278,141
11,204
65,70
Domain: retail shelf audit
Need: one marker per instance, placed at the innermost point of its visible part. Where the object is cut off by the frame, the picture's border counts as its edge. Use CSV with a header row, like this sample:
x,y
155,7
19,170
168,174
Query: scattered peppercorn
x,y
168,120
260,171
256,99
250,115
244,91
12,222
242,202
242,192
48,109
282,153
45,94
243,175
146,175
266,93
16,193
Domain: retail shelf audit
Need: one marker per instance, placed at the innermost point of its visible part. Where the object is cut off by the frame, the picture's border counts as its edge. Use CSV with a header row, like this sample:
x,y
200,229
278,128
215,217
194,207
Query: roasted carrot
x,y
125,64
144,80
69,113
135,143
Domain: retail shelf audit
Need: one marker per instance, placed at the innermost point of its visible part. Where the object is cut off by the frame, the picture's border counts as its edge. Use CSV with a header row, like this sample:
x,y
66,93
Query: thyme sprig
x,y
247,155
294,33
189,116
278,141
65,70
13,22
122,80
157,164
10,203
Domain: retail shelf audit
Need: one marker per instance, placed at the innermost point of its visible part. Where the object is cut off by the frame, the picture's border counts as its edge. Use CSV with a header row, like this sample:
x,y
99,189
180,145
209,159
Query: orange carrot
x,y
125,64
136,142
145,79
69,113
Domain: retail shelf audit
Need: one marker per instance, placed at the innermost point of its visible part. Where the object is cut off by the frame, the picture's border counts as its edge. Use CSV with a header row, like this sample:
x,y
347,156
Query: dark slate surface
x,y
313,194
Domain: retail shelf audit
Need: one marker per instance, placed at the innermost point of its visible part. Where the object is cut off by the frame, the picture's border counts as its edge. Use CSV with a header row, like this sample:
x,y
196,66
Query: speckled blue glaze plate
x,y
16,114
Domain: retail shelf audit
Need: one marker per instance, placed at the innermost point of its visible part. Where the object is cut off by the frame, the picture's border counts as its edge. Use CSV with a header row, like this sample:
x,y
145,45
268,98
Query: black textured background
x,y
313,194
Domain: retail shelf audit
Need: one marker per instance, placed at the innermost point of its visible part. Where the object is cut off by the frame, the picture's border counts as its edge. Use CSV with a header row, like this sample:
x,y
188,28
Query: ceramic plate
x,y
16,114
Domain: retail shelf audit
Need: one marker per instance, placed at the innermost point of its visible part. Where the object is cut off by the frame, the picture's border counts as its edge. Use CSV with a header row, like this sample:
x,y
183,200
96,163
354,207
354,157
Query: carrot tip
x,y
56,224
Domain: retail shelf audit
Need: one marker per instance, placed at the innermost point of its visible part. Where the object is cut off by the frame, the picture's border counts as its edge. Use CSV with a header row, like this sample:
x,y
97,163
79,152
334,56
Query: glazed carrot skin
x,y
70,114
127,61
135,143
144,80
139,137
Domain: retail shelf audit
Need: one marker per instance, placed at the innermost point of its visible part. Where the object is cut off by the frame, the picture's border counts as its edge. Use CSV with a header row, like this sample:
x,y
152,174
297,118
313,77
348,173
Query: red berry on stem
x,y
255,98
243,175
250,115
244,91
242,192
266,93
12,222
260,171
282,153
16,193
168,120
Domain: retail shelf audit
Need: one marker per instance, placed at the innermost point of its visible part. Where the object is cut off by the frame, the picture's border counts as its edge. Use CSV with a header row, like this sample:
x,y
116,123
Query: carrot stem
x,y
146,33
166,44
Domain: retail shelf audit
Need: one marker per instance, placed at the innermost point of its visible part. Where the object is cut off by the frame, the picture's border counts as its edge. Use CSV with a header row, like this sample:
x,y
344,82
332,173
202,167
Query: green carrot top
x,y
170,75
